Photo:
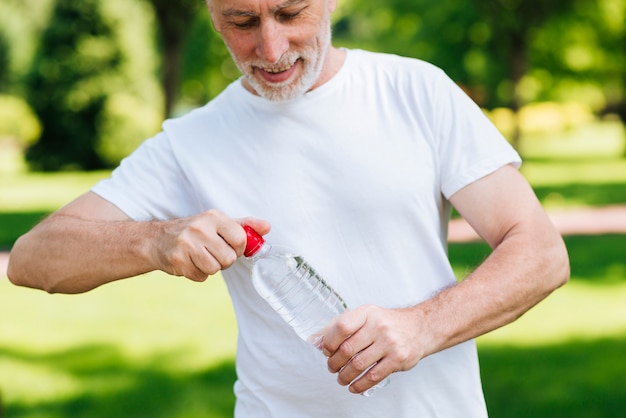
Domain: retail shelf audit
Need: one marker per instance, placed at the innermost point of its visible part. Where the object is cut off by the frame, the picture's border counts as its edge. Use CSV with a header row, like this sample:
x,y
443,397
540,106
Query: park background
x,y
83,82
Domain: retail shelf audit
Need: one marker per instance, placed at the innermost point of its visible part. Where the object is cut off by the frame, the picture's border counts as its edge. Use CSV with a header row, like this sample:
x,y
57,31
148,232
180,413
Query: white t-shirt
x,y
355,177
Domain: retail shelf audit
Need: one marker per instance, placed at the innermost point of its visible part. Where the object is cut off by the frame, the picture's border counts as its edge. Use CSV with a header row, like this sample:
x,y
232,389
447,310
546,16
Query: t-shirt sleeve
x,y
149,184
469,145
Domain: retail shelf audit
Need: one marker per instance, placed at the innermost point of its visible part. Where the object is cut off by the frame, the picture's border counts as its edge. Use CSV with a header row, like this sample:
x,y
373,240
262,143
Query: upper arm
x,y
500,203
91,206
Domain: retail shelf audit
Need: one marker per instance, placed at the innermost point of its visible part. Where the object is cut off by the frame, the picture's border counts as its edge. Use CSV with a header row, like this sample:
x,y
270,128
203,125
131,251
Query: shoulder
x,y
200,119
399,74
392,63
398,79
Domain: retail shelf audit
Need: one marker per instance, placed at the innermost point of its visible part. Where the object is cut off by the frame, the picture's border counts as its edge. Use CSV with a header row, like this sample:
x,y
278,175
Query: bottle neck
x,y
261,252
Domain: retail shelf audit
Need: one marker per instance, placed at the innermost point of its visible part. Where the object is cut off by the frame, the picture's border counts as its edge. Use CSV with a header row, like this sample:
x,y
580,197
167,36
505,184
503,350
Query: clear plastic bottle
x,y
295,291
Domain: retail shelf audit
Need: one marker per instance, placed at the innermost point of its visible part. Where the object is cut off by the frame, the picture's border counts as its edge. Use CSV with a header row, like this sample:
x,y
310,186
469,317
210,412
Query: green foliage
x,y
17,120
504,52
90,51
207,65
20,22
124,126
174,20
4,61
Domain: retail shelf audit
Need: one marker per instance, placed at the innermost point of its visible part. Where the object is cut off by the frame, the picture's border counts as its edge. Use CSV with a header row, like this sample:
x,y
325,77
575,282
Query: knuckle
x,y
229,259
211,267
345,349
358,363
373,376
343,327
214,215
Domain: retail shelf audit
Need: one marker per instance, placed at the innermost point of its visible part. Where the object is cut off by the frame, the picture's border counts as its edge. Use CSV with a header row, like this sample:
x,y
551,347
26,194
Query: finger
x,y
216,254
360,364
261,226
347,351
371,377
339,345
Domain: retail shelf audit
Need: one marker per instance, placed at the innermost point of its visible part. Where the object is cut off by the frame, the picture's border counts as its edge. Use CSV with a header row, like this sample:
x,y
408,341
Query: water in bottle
x,y
295,291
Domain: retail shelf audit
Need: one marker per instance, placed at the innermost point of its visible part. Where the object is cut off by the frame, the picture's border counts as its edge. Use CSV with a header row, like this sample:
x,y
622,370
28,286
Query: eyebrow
x,y
243,13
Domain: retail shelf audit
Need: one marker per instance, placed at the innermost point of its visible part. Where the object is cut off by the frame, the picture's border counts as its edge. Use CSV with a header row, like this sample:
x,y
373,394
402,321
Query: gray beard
x,y
293,89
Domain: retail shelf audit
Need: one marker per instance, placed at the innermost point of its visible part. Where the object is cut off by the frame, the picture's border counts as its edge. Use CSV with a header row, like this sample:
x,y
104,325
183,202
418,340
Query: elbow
x,y
559,265
15,269
15,272
20,270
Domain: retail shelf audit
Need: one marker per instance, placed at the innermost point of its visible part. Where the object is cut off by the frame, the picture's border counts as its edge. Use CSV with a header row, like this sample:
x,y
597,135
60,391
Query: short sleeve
x,y
149,184
469,145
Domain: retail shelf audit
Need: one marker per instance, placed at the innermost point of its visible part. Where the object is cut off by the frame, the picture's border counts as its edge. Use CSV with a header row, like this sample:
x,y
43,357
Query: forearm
x,y
68,254
521,271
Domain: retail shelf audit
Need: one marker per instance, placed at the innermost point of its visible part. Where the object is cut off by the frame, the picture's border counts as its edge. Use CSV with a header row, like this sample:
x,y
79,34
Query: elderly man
x,y
355,159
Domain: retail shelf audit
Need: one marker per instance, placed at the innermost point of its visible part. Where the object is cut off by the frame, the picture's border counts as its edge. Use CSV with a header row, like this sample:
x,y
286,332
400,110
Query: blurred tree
x,y
514,24
88,54
483,44
443,32
611,19
207,66
4,61
66,86
18,122
175,19
21,21
581,56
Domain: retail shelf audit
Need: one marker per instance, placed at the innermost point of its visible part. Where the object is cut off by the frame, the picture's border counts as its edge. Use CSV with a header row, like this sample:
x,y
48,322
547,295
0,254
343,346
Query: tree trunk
x,y
174,19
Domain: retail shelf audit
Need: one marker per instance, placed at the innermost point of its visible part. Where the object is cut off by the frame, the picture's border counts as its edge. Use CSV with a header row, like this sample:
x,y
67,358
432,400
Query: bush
x,y
91,51
18,121
125,124
4,60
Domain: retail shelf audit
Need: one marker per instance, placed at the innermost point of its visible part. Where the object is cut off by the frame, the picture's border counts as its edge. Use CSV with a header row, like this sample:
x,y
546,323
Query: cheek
x,y
242,46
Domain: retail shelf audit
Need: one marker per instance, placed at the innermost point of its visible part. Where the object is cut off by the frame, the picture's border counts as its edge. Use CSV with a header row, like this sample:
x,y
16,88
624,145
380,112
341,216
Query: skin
x,y
281,46
90,242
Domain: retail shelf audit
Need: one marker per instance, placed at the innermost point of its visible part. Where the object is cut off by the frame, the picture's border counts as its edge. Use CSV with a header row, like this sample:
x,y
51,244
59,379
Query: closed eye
x,y
285,16
246,24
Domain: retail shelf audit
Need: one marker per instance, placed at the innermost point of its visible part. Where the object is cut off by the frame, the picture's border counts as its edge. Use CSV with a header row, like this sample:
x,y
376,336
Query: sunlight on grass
x,y
160,322
557,173
578,311
11,160
44,191
598,139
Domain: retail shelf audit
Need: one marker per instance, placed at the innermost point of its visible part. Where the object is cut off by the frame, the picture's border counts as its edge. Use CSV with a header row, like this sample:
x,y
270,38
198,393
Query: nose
x,y
272,42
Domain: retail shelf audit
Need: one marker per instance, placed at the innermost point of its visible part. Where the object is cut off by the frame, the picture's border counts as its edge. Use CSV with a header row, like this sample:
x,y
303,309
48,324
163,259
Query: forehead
x,y
256,5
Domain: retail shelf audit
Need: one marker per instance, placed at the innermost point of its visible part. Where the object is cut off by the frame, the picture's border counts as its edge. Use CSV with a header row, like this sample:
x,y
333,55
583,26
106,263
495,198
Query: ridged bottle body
x,y
295,290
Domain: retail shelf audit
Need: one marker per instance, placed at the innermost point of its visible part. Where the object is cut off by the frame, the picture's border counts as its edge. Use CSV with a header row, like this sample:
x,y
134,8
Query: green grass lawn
x,y
152,346
25,198
158,346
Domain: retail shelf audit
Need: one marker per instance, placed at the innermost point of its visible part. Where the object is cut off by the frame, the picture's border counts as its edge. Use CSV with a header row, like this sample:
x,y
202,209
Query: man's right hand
x,y
90,242
201,245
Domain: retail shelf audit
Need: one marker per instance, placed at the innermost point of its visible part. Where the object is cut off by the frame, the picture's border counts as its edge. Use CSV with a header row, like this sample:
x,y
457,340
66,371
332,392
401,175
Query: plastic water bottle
x,y
295,291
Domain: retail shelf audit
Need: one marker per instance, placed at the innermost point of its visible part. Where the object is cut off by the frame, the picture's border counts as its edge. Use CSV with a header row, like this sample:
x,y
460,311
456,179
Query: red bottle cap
x,y
254,241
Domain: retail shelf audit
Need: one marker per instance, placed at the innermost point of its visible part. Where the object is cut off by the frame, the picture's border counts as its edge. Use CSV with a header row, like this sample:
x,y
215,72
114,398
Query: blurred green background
x,y
83,82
